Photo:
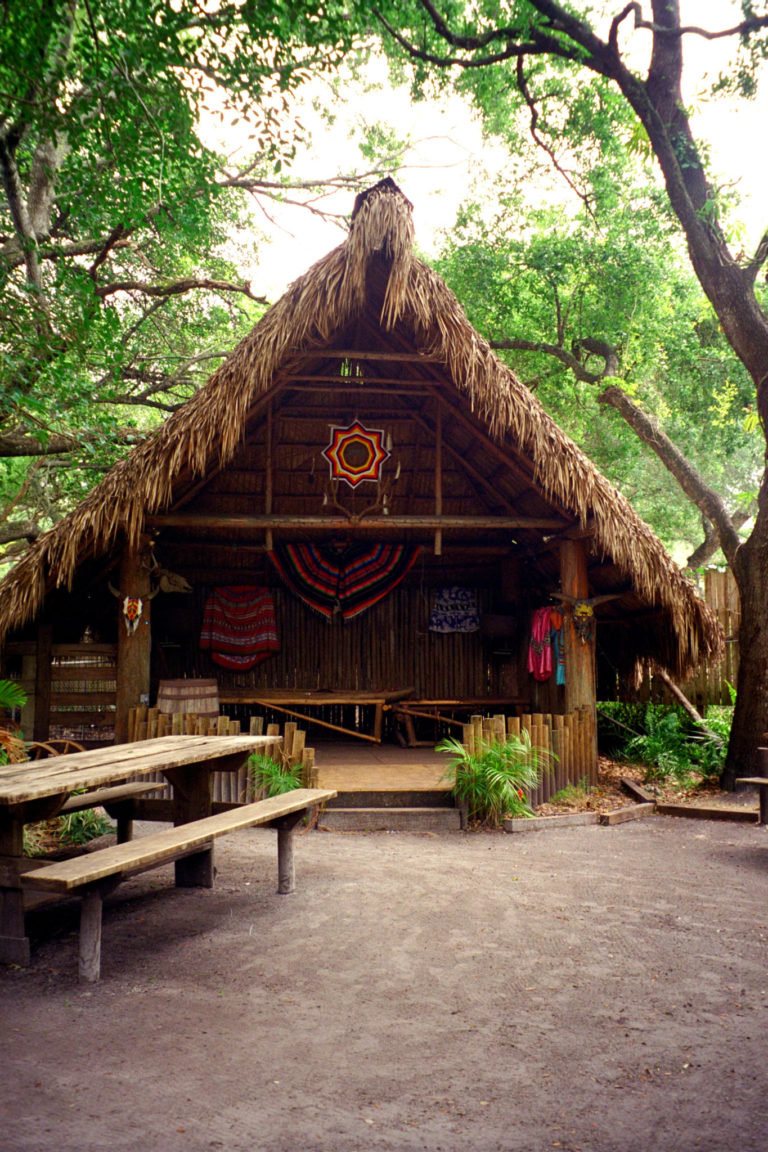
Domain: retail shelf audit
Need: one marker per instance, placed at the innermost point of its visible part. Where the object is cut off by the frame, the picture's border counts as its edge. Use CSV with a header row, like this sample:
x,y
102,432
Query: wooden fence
x,y
566,745
228,787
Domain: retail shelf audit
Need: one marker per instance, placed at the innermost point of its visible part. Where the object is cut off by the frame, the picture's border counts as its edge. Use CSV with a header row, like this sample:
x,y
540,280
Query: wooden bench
x,y
94,875
761,783
118,803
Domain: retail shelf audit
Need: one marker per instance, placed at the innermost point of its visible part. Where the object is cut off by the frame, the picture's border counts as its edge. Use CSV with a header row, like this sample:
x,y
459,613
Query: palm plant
x,y
492,780
11,746
273,777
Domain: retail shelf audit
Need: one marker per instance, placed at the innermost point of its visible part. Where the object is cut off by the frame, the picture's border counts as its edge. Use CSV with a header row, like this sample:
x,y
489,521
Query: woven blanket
x,y
346,579
454,610
239,627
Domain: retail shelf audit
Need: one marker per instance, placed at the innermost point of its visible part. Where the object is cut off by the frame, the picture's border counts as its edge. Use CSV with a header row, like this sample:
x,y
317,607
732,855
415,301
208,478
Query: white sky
x,y
448,149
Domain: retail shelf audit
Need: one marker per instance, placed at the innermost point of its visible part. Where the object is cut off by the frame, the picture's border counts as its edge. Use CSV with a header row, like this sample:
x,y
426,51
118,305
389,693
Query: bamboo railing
x,y
229,787
566,745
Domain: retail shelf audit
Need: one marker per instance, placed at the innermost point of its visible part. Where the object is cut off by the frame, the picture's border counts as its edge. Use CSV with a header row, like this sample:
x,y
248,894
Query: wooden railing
x,y
230,787
566,744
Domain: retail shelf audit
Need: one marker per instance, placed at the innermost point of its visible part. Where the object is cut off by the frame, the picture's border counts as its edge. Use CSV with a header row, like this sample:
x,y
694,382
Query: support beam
x,y
580,678
333,523
133,651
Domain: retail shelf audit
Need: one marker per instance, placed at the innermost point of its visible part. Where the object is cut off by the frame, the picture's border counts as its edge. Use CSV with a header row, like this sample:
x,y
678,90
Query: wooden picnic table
x,y
40,789
299,702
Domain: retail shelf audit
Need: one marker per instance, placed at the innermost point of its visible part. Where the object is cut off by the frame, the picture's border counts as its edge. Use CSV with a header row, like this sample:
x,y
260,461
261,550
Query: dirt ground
x,y
594,988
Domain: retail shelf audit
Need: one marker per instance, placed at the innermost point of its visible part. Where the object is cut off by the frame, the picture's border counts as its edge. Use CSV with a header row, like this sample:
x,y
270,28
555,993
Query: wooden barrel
x,y
198,696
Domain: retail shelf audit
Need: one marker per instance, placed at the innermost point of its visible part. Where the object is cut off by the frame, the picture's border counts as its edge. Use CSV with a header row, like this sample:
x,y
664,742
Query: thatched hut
x,y
388,502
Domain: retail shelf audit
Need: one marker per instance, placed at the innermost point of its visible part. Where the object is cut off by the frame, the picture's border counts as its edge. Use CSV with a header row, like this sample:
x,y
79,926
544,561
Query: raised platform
x,y
385,788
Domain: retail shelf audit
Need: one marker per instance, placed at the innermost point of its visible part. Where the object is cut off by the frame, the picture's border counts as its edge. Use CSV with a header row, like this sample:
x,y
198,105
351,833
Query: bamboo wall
x,y
389,646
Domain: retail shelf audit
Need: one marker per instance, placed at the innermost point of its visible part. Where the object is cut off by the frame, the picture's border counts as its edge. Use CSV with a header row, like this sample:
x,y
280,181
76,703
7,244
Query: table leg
x,y
14,944
192,801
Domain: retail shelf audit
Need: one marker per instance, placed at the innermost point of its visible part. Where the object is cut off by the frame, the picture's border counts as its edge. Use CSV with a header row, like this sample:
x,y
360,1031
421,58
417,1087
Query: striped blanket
x,y
239,626
343,579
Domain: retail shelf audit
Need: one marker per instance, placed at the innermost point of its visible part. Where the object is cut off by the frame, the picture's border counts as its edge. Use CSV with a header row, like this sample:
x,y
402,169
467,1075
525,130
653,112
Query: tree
x,y
117,288
592,312
542,54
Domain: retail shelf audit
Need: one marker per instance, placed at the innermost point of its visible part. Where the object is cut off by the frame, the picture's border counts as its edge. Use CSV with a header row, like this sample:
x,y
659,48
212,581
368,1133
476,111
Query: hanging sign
x,y
356,453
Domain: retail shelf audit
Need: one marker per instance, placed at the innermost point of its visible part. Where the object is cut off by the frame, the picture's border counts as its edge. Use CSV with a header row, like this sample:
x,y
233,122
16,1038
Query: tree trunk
x,y
750,718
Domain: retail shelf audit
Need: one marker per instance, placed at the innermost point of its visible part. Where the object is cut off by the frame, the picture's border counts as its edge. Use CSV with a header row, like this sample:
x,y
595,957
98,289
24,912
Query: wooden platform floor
x,y
357,767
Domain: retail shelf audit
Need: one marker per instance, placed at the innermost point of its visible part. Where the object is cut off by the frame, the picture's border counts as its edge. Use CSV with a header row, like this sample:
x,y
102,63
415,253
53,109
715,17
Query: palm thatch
x,y
206,432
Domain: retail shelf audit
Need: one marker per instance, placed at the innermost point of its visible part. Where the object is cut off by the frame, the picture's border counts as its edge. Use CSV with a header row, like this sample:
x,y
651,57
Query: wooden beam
x,y
333,523
580,678
359,354
133,652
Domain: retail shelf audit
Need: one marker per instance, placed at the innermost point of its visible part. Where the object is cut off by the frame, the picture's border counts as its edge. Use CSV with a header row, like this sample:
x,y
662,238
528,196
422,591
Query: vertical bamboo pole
x,y
439,476
288,734
468,737
133,651
268,479
580,679
256,726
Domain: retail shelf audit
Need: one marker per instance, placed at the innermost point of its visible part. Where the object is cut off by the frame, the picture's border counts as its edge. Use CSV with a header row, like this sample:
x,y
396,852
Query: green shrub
x,y
80,827
492,780
667,742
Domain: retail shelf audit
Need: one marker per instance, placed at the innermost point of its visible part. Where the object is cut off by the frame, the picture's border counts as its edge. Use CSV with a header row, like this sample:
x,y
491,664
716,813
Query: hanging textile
x,y
540,648
558,647
343,579
455,610
239,626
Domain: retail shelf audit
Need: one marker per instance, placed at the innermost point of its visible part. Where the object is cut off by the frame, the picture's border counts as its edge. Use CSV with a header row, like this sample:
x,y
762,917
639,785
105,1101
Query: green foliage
x,y
12,695
273,777
113,208
80,827
492,780
573,794
540,276
666,742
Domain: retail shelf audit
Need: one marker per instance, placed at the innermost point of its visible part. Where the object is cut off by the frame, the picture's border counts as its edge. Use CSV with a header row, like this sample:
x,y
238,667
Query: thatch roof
x,y
206,431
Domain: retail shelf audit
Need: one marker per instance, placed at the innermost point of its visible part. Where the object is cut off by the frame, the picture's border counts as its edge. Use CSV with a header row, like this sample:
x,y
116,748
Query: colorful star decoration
x,y
356,453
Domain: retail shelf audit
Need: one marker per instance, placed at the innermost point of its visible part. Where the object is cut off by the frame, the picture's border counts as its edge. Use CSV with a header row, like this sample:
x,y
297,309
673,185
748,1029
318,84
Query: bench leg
x,y
763,805
89,962
286,871
89,959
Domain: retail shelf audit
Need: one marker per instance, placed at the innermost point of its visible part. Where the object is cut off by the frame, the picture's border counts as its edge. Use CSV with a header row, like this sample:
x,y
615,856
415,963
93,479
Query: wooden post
x,y
42,683
89,966
133,651
439,477
580,682
286,872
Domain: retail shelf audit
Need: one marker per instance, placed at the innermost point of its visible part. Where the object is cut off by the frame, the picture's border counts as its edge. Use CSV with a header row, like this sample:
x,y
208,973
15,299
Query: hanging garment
x,y
455,610
343,579
540,648
239,626
558,647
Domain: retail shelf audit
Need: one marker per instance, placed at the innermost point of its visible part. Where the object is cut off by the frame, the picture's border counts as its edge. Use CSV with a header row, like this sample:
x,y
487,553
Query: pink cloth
x,y
540,648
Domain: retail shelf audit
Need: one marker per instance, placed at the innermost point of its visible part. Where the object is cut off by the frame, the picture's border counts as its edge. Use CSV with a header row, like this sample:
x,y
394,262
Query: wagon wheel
x,y
42,749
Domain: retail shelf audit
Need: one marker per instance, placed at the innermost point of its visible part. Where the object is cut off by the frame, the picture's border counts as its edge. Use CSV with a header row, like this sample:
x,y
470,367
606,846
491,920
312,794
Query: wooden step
x,y
384,798
390,819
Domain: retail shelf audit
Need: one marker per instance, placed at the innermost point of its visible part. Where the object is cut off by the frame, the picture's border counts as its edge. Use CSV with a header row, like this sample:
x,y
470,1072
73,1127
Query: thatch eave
x,y
205,433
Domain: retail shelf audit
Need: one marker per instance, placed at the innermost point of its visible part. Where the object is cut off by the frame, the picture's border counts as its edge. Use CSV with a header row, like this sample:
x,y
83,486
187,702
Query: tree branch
x,y
691,482
176,288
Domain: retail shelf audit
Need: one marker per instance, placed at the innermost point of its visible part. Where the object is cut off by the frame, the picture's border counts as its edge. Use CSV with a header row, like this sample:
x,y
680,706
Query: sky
x,y
448,149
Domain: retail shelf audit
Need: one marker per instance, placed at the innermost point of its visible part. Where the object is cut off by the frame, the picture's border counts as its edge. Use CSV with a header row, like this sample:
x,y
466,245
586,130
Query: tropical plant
x,y
11,745
80,827
491,781
273,777
671,748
